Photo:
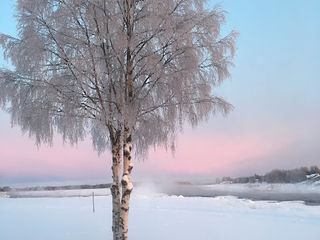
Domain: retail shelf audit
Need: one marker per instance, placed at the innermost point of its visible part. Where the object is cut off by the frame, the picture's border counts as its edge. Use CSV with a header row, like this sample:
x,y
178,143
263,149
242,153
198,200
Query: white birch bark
x,y
126,183
115,188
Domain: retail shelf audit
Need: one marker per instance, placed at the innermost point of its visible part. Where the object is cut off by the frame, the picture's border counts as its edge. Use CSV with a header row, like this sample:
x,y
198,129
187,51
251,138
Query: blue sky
x,y
275,85
275,88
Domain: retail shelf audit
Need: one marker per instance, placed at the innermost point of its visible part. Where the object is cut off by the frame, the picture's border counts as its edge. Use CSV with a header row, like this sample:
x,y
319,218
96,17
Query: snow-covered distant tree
x,y
127,72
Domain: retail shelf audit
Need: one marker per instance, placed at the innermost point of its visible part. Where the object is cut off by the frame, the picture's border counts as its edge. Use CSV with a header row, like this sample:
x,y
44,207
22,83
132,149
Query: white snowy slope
x,y
3,194
158,217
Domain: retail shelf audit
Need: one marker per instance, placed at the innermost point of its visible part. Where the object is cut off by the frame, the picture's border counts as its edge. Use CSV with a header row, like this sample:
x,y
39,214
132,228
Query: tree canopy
x,y
73,60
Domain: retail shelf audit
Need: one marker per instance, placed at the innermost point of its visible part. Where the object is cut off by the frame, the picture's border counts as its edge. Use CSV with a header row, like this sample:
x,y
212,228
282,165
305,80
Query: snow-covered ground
x,y
158,217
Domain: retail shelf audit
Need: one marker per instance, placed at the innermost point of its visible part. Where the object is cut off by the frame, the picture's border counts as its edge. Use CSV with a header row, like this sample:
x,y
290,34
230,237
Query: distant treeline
x,y
278,176
52,188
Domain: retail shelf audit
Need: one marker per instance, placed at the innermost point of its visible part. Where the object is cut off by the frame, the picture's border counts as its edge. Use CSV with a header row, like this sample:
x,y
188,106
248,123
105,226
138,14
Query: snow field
x,y
158,217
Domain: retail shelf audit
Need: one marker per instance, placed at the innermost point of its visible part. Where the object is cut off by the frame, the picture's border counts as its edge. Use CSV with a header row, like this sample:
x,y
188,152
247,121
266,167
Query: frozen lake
x,y
158,217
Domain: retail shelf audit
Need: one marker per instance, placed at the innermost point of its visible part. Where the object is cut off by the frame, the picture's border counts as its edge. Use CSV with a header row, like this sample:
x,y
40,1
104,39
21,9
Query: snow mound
x,y
3,195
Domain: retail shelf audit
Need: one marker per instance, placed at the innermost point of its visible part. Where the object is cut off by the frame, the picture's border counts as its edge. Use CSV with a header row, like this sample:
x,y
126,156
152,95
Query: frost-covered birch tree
x,y
129,73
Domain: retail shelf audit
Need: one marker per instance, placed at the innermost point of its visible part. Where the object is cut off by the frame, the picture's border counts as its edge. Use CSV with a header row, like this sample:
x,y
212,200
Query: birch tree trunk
x,y
115,187
126,183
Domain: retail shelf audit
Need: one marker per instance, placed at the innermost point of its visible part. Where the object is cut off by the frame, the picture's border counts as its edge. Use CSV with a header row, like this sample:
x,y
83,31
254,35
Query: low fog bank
x,y
309,193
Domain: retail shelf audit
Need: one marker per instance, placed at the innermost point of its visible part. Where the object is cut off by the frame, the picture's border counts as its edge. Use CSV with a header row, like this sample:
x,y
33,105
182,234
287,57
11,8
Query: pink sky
x,y
200,152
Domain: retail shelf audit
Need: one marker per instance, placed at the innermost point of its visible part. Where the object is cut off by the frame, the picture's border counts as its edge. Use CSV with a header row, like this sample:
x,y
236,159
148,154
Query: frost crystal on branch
x,y
71,68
